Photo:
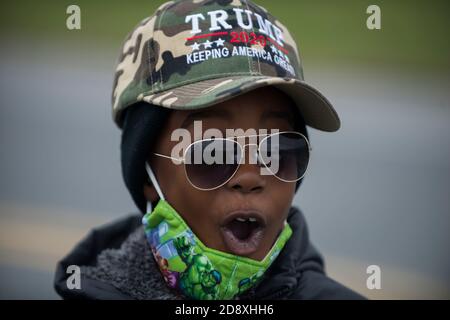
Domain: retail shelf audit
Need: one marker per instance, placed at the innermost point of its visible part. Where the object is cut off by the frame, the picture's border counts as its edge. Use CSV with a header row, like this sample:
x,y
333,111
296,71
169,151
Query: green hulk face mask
x,y
193,269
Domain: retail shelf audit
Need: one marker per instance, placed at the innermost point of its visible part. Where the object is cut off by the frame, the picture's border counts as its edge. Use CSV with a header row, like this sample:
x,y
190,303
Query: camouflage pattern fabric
x,y
192,54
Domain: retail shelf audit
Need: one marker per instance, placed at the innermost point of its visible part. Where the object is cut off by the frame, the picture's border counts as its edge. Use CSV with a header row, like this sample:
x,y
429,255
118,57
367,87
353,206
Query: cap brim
x,y
315,109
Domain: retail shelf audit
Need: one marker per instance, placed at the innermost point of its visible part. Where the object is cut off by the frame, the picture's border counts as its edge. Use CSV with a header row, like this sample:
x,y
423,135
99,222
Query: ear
x,y
150,192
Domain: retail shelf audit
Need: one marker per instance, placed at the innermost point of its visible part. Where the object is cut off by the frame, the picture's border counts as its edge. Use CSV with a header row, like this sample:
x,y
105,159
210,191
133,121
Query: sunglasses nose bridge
x,y
253,156
247,178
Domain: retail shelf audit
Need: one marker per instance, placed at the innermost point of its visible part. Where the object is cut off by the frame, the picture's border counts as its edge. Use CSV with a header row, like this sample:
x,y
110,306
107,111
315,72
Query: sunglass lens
x,y
210,163
285,155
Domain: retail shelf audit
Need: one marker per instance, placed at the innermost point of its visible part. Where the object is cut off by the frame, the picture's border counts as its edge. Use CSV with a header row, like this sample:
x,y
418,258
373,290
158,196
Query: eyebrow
x,y
202,114
284,115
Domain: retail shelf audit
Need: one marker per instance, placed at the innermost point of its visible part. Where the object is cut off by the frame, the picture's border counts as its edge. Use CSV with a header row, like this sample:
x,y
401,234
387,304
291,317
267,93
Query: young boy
x,y
213,107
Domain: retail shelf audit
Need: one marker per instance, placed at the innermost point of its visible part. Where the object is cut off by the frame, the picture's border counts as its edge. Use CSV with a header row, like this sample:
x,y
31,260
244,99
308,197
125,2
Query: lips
x,y
243,231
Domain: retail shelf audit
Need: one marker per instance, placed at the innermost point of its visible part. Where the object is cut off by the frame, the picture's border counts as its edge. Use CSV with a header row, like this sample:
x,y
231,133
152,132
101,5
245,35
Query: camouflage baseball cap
x,y
192,54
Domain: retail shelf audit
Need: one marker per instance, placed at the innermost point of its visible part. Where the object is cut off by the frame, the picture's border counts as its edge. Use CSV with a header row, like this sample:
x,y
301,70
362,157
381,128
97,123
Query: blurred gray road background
x,y
377,191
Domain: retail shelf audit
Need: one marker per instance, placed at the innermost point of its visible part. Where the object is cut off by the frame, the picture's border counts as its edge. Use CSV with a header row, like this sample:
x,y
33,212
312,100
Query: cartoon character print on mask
x,y
195,270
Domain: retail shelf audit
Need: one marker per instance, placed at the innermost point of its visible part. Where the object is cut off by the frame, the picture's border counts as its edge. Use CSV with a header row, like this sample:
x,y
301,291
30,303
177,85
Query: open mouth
x,y
242,232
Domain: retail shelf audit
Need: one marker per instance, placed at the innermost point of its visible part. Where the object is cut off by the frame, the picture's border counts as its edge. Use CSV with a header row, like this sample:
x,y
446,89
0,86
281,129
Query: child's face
x,y
247,191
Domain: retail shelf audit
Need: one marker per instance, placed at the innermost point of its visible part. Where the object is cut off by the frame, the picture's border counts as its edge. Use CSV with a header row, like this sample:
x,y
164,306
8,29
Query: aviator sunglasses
x,y
210,163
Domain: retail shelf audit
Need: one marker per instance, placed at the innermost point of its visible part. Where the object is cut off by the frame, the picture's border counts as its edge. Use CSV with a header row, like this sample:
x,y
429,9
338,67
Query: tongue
x,y
240,230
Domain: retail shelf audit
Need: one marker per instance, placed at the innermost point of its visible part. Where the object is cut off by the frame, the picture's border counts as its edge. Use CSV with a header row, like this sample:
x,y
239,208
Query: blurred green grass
x,y
414,34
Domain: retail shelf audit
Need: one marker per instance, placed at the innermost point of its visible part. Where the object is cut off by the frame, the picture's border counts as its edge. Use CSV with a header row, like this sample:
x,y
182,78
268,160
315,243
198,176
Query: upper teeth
x,y
244,220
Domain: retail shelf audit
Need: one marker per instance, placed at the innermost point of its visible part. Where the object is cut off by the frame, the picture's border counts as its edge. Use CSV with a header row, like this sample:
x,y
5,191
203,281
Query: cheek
x,y
197,210
191,203
173,182
281,200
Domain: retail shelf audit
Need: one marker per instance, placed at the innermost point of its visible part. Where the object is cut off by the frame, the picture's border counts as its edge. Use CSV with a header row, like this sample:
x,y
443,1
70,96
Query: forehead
x,y
258,108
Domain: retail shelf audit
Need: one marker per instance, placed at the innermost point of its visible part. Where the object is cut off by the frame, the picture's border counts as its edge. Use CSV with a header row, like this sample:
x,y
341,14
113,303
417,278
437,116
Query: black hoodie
x,y
116,263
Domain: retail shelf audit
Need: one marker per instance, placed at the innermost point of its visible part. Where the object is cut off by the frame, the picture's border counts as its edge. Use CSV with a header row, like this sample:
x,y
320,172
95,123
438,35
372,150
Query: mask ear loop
x,y
149,207
152,177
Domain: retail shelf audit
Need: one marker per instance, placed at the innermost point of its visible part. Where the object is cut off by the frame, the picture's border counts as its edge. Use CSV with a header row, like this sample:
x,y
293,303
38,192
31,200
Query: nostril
x,y
256,189
247,179
238,187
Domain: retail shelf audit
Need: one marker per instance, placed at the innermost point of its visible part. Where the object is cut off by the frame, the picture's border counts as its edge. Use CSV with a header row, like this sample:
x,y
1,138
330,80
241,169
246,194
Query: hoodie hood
x,y
116,263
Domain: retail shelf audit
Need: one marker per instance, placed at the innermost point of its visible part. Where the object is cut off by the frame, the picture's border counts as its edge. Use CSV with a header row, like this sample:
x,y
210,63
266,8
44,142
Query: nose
x,y
247,179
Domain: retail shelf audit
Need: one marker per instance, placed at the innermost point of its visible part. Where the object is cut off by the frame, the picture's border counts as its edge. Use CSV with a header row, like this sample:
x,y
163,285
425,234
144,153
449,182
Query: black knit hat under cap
x,y
141,127
142,124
